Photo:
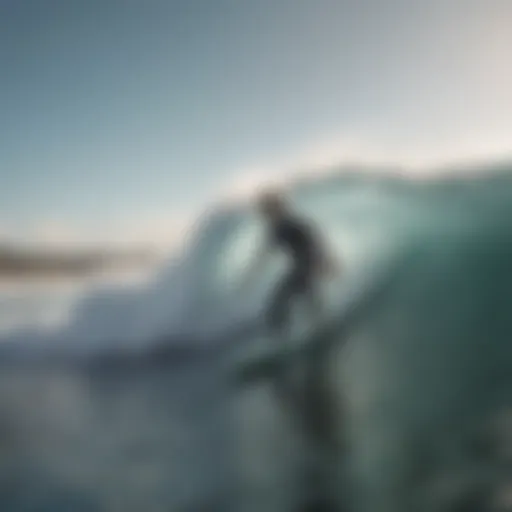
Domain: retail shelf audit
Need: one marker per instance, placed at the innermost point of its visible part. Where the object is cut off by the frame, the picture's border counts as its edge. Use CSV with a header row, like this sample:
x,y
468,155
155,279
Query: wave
x,y
367,216
425,388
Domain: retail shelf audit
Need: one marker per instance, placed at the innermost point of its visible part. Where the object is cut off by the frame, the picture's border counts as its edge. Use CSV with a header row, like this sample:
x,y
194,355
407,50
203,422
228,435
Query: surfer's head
x,y
271,204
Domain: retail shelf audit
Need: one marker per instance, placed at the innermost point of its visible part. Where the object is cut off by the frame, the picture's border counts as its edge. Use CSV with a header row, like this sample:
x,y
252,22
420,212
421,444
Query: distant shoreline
x,y
18,264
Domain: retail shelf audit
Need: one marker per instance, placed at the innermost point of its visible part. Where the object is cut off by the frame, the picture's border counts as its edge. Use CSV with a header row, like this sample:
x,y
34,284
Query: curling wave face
x,y
427,384
364,217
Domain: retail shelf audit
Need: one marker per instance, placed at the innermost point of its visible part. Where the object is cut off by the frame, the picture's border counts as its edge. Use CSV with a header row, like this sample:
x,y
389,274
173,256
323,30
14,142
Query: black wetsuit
x,y
299,240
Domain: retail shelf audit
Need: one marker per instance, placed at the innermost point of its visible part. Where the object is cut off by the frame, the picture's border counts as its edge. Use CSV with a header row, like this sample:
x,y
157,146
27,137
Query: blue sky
x,y
120,116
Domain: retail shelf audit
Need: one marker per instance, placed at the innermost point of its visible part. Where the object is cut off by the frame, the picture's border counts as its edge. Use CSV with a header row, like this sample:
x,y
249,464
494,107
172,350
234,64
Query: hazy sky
x,y
119,115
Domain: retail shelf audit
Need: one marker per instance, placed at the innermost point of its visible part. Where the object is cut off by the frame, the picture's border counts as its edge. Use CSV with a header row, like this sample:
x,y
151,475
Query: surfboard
x,y
263,366
275,360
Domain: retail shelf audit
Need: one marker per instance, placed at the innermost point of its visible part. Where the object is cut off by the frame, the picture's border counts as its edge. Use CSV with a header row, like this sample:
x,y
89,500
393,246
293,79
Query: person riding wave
x,y
307,256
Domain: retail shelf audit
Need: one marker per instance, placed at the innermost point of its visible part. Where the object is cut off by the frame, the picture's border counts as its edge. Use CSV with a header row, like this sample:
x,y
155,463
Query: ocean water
x,y
138,439
420,389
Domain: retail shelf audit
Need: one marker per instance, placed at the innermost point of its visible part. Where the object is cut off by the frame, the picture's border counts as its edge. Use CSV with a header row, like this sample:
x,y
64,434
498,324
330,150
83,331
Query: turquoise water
x,y
423,390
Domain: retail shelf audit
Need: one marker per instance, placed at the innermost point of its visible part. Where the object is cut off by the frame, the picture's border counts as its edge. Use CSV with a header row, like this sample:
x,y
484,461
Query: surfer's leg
x,y
315,304
311,295
278,311
278,316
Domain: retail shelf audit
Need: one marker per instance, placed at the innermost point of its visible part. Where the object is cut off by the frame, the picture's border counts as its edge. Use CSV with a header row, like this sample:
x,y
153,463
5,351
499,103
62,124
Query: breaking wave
x,y
427,389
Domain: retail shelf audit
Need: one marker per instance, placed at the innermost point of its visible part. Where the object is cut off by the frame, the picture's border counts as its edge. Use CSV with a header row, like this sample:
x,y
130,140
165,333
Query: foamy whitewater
x,y
117,413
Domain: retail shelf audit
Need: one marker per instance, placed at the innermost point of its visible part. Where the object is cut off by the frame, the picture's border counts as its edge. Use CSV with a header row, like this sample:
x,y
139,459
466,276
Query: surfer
x,y
307,256
310,399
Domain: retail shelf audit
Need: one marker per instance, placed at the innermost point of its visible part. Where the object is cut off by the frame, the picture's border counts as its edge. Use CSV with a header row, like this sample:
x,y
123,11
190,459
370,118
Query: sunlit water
x,y
425,382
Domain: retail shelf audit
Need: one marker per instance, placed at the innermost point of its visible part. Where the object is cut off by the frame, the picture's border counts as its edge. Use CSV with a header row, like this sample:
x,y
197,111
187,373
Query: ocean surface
x,y
128,406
